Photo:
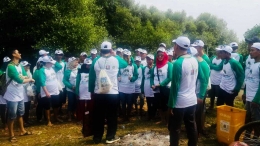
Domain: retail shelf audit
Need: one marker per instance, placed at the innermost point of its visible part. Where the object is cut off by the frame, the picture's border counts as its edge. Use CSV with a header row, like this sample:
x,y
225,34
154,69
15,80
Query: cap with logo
x,y
138,58
183,42
72,59
161,49
106,46
43,52
233,44
151,56
127,52
59,52
119,50
93,51
226,48
198,43
25,63
48,59
6,59
88,61
256,45
143,51
138,50
83,54
162,45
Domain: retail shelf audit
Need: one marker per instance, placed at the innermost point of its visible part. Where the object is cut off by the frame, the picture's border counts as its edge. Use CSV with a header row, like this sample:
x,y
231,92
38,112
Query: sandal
x,y
26,133
12,139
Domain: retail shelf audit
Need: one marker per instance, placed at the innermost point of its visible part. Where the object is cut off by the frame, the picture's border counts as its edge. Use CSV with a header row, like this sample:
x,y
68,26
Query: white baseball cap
x,y
88,61
6,59
138,58
151,56
48,59
58,52
193,51
139,49
40,59
43,52
170,52
106,46
233,44
256,45
199,43
83,54
143,51
218,49
93,51
162,45
24,63
161,49
119,50
183,42
226,48
127,52
72,59
173,41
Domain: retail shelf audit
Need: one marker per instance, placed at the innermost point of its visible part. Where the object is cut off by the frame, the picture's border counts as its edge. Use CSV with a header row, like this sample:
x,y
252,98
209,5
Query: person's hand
x,y
170,112
200,101
153,87
48,95
253,104
32,80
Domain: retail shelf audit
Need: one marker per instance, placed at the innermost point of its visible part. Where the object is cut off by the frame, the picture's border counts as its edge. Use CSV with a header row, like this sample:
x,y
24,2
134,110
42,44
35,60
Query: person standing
x,y
234,54
161,82
182,100
14,95
138,52
170,53
82,57
69,81
199,45
49,88
232,79
143,53
106,104
138,87
215,78
146,87
119,52
93,54
252,86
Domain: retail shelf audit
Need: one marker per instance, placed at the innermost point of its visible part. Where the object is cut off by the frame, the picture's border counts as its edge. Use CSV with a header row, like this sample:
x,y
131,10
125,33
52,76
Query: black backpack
x,y
4,84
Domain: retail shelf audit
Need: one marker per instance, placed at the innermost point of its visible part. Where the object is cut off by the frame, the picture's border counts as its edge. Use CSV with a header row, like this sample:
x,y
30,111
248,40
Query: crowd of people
x,y
174,82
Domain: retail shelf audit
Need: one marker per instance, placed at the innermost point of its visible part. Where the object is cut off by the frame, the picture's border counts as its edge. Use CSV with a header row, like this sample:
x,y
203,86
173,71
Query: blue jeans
x,y
126,100
72,101
15,109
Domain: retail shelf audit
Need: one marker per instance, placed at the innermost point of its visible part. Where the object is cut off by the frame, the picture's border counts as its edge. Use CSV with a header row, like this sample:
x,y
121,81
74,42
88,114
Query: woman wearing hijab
x,y
69,81
161,81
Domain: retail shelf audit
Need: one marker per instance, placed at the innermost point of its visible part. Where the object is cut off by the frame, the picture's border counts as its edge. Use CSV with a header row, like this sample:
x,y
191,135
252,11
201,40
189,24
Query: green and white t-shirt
x,y
215,76
203,78
15,90
125,85
233,76
185,72
144,62
112,65
248,63
69,79
164,73
252,83
139,80
146,84
82,86
237,57
206,58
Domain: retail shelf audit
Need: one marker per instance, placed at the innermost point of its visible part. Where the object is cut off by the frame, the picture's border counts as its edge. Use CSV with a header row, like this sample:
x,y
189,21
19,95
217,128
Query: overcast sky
x,y
240,15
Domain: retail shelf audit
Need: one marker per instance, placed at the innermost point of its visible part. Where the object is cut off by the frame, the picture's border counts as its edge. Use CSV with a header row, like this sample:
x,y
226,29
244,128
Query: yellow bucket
x,y
229,120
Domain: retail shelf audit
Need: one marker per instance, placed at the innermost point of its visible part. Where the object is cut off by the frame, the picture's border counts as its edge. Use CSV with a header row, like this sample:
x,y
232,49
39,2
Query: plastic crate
x,y
229,120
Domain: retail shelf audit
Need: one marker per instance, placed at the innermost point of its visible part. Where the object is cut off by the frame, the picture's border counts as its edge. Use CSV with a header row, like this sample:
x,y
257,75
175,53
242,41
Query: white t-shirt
x,y
83,87
51,82
249,62
228,80
144,62
186,94
252,82
148,91
235,56
162,72
215,76
72,79
138,81
111,65
60,74
125,86
14,91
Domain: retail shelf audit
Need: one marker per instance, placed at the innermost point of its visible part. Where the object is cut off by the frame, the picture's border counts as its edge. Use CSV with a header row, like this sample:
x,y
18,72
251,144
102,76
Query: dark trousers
x,y
162,101
27,107
72,101
63,96
151,105
200,116
135,97
214,92
39,109
188,116
3,113
225,98
105,107
83,106
126,101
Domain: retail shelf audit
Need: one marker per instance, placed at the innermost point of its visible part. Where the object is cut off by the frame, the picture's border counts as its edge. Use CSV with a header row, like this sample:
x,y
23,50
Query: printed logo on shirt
x,y
148,75
125,72
108,67
160,72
